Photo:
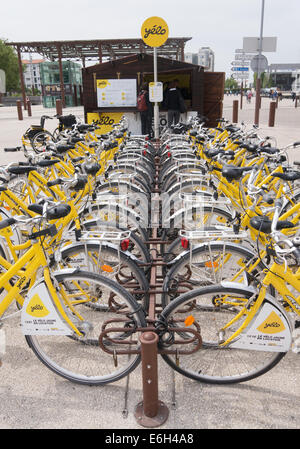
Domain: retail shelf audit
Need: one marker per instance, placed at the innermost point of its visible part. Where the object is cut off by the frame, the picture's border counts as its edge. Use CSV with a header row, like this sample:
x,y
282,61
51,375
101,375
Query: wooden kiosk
x,y
110,90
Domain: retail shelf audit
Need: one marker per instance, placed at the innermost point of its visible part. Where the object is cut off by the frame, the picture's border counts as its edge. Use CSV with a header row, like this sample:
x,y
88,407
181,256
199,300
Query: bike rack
x,y
151,412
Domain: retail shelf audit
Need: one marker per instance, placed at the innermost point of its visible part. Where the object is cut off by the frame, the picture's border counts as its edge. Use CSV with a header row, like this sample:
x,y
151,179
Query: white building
x,y
32,77
191,58
206,58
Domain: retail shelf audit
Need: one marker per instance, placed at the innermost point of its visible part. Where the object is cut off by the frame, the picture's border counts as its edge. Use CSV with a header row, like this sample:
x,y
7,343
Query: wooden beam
x,y
22,77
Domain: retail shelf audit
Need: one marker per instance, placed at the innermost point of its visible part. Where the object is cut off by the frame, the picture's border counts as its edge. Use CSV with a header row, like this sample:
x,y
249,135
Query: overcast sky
x,y
219,24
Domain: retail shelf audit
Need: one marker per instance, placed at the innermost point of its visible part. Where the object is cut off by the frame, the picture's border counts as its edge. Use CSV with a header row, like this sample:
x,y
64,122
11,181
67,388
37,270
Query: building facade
x,y
206,58
32,76
51,87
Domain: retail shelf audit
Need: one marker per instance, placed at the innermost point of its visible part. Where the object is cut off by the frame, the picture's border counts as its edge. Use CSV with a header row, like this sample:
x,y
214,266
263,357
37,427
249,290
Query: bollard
x,y
150,412
296,101
29,108
272,113
19,109
58,106
235,108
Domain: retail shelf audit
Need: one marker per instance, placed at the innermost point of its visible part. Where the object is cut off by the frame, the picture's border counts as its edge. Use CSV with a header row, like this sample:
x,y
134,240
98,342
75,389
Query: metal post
x,y
19,109
235,108
150,412
58,107
258,81
272,113
21,77
100,53
242,91
29,108
61,77
156,109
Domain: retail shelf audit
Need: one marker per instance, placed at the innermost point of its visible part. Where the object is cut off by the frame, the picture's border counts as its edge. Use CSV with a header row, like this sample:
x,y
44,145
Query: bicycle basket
x,y
66,121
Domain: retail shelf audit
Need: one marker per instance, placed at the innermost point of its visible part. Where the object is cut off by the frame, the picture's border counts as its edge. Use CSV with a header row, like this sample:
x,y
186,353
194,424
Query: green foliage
x,y
231,83
265,79
9,63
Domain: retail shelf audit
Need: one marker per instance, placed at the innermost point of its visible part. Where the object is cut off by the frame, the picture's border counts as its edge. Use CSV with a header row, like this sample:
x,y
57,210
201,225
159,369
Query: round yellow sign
x,y
154,31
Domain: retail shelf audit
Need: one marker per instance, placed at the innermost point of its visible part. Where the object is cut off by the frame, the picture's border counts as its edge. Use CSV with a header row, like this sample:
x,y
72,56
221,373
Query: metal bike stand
x,y
151,412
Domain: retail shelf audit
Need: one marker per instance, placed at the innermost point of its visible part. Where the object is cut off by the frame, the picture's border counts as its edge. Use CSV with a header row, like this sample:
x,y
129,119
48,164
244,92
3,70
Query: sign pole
x,y
156,109
258,81
154,33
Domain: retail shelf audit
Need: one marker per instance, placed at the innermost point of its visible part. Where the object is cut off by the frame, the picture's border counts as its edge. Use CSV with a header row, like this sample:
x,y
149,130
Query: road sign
x,y
239,69
259,62
156,92
240,75
241,63
243,57
154,31
251,44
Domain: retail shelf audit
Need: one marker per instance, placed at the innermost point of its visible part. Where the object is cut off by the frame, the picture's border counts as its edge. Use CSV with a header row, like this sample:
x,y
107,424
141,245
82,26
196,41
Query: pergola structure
x,y
84,50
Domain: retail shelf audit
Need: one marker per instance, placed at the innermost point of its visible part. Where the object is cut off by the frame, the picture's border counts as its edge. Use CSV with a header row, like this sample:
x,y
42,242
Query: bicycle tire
x,y
81,360
214,364
204,257
103,258
40,139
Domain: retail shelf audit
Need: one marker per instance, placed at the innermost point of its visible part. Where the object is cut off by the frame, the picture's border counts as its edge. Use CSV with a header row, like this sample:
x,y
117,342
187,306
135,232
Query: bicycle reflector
x,y
125,244
184,243
211,264
189,320
107,268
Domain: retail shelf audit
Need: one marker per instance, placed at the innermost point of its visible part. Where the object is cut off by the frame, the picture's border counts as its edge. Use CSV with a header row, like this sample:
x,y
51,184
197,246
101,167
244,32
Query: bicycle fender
x,y
269,330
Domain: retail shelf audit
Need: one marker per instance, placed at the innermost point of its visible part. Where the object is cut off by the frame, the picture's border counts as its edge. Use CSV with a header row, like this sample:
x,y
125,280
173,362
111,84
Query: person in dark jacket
x,y
174,103
146,112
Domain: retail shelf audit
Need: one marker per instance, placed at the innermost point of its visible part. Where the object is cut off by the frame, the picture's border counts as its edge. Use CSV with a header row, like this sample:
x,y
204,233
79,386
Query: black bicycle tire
x,y
187,297
88,380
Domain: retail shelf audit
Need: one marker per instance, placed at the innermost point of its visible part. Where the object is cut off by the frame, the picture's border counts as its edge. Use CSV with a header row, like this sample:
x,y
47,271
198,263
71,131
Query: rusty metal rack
x,y
152,412
123,334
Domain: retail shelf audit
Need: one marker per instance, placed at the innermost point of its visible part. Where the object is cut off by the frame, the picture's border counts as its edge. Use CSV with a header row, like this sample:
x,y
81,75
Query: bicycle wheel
x,y
212,363
109,261
40,140
210,263
81,359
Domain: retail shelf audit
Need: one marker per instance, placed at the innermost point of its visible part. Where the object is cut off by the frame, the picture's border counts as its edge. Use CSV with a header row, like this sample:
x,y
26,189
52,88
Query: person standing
x,y
174,103
145,108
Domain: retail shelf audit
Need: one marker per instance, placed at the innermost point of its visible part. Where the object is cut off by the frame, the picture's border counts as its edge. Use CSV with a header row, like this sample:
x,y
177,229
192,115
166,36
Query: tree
x,y
231,84
9,63
265,80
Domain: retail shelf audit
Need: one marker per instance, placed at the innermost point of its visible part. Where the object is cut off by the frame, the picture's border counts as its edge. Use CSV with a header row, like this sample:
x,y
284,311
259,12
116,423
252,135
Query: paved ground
x,y
32,397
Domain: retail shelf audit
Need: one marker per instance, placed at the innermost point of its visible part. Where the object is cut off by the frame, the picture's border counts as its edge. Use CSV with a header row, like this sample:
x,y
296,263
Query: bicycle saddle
x,y
53,212
63,147
91,169
76,140
288,176
214,152
20,169
263,224
77,159
232,129
231,173
47,162
269,150
248,147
